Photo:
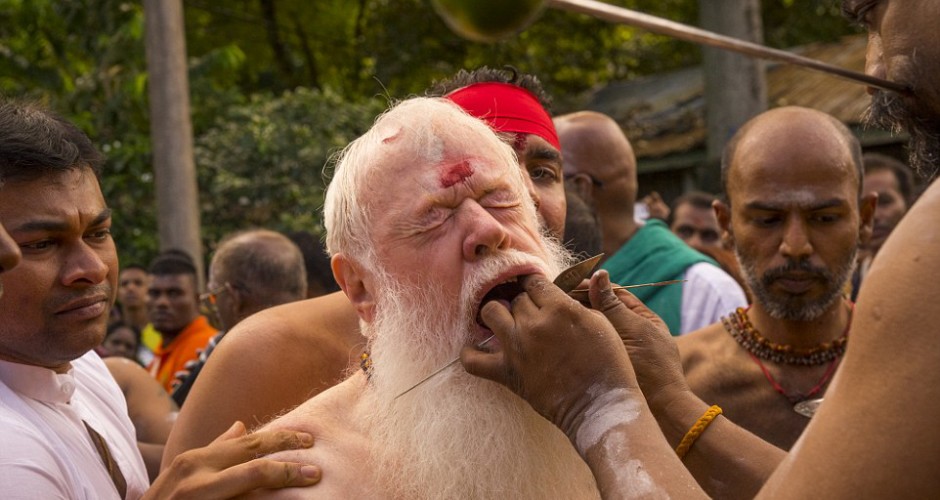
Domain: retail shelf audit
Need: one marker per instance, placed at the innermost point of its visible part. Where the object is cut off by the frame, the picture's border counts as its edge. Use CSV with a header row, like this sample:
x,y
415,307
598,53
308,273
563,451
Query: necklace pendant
x,y
808,407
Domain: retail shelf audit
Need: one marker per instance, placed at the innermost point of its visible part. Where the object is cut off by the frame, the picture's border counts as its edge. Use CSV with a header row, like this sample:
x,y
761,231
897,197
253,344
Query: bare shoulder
x,y
122,370
878,422
335,418
134,379
699,350
268,364
333,410
310,343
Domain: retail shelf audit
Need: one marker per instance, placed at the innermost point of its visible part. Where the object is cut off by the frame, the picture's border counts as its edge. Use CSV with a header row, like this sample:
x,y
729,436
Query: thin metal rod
x,y
439,370
687,33
579,293
491,337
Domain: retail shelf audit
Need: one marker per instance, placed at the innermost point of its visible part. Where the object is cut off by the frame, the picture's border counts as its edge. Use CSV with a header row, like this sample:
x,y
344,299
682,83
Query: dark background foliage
x,y
278,86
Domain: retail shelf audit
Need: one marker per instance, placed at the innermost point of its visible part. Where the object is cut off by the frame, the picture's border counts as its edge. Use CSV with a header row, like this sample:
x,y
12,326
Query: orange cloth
x,y
167,360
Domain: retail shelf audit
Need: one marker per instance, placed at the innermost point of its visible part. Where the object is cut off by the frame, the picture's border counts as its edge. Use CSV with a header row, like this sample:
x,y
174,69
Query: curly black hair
x,y
507,74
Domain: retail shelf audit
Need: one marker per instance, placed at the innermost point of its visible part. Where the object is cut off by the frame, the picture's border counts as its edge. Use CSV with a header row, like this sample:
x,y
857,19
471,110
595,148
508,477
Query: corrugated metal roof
x,y
665,114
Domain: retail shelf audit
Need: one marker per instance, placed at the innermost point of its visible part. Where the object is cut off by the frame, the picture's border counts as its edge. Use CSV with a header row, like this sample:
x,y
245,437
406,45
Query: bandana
x,y
506,108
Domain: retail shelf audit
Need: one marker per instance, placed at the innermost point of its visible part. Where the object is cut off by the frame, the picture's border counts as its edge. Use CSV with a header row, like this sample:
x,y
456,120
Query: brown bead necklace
x,y
740,327
758,347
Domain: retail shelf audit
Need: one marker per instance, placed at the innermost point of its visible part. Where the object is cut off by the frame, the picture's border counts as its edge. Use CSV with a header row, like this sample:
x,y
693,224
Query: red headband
x,y
506,108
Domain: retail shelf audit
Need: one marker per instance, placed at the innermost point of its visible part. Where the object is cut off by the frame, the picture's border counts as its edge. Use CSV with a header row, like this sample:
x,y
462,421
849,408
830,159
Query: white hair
x,y
414,131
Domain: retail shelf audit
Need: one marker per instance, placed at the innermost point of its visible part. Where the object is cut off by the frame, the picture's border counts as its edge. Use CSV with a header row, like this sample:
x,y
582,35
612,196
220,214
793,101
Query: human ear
x,y
723,214
355,284
866,217
239,304
583,186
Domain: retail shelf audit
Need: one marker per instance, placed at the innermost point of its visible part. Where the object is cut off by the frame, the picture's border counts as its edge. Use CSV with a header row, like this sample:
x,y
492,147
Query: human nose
x,y
874,60
795,244
85,264
159,300
9,251
485,234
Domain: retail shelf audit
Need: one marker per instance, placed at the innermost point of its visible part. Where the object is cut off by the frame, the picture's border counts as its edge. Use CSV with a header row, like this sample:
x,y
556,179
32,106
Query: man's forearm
x,y
628,455
726,460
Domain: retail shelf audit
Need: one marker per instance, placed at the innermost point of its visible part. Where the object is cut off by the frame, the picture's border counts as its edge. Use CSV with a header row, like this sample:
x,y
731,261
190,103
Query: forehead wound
x,y
453,173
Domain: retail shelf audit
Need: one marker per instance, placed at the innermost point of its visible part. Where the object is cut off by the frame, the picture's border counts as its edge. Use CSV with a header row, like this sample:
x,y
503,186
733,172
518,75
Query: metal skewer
x,y
439,370
491,337
582,291
566,281
681,31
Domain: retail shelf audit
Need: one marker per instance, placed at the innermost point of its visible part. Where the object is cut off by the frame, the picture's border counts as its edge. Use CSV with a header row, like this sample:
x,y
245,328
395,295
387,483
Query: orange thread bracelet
x,y
700,425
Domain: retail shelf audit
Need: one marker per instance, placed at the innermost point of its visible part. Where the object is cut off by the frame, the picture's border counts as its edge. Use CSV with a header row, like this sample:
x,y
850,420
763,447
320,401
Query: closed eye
x,y
825,218
767,220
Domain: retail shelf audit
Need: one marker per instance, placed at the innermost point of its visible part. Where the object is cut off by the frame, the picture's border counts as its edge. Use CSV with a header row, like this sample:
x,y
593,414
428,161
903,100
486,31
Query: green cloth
x,y
654,254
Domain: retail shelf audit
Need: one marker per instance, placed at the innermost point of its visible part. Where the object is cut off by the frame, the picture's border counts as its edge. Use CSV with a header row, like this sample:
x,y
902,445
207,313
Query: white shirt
x,y
708,294
45,450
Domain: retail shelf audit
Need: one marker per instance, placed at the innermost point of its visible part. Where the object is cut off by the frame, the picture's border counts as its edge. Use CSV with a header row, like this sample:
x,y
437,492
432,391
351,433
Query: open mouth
x,y
504,292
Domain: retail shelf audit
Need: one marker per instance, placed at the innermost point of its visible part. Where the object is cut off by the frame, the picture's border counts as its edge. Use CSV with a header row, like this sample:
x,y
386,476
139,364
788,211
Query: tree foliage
x,y
262,163
277,85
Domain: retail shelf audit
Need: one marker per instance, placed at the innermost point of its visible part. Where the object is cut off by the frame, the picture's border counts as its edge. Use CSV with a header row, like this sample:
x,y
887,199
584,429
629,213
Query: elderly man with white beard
x,y
427,217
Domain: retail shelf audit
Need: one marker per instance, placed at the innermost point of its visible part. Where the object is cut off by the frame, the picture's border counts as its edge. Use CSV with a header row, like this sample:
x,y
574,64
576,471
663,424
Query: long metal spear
x,y
687,33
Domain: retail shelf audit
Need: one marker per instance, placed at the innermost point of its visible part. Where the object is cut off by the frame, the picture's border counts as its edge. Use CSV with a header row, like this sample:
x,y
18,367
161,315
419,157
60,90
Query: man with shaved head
x,y
599,159
793,217
250,271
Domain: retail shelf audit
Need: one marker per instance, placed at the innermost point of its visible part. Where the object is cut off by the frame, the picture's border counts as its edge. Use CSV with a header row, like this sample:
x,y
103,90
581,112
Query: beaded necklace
x,y
740,327
758,348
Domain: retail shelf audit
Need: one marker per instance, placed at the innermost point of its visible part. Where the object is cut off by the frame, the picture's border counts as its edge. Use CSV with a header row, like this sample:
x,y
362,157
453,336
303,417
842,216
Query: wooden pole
x,y
171,130
687,33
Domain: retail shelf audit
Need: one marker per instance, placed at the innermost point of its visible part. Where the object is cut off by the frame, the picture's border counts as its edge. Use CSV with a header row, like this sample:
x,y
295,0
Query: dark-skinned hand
x,y
555,353
652,349
233,465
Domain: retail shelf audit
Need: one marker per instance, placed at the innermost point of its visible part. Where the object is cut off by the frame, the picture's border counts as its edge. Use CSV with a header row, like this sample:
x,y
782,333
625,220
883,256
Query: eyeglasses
x,y
209,298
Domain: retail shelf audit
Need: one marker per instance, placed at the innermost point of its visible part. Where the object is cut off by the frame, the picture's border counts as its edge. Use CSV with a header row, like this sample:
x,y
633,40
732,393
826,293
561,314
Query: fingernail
x,y
603,279
306,440
310,472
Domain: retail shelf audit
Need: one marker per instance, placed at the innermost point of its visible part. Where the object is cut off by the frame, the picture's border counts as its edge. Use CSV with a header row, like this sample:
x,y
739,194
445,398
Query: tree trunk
x,y
171,130
735,85
269,14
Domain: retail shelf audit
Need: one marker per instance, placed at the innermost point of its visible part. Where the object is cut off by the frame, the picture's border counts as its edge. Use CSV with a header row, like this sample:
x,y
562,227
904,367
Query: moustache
x,y
802,266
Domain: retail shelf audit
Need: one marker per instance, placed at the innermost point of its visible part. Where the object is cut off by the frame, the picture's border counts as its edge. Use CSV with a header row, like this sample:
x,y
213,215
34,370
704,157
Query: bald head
x,y
260,268
791,135
794,216
593,145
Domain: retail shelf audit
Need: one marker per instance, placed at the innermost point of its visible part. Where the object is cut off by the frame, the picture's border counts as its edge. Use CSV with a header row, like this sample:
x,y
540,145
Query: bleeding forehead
x,y
452,173
449,159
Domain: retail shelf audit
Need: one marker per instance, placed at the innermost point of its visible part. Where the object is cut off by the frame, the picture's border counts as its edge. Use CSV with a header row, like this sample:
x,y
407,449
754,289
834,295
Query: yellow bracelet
x,y
697,430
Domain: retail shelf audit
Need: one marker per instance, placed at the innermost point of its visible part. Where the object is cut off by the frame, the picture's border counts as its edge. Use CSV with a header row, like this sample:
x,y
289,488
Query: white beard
x,y
457,436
